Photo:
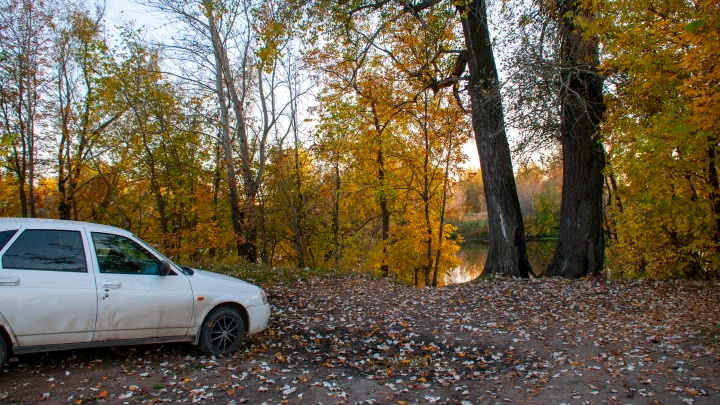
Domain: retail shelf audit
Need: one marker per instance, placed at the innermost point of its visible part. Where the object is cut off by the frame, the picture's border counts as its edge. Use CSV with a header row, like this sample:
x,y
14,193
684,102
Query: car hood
x,y
207,281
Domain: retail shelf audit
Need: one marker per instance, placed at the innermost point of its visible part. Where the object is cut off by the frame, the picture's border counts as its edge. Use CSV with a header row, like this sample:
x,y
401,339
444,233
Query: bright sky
x,y
120,10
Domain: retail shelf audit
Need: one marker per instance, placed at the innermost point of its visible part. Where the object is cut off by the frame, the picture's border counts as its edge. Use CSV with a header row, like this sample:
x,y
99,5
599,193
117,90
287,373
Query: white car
x,y
67,285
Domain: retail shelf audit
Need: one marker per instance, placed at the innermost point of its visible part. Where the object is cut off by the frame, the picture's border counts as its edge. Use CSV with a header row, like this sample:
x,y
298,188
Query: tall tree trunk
x,y
243,221
248,245
336,214
262,230
247,217
507,253
383,197
25,196
220,80
228,156
19,168
298,193
384,211
428,243
294,207
446,181
216,189
31,165
581,244
714,184
159,200
425,195
714,195
64,98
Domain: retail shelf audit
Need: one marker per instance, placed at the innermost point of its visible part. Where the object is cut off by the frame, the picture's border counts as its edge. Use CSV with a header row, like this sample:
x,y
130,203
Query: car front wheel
x,y
222,332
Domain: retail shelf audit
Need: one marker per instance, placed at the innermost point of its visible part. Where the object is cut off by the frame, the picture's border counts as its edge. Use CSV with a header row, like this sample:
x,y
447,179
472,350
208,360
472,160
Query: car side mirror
x,y
164,268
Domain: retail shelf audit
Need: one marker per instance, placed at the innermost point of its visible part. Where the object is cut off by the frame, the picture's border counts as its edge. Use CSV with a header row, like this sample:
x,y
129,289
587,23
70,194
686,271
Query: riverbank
x,y
474,228
357,340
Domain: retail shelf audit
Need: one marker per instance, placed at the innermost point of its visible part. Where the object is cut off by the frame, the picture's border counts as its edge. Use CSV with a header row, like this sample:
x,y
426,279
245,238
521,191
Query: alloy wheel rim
x,y
224,333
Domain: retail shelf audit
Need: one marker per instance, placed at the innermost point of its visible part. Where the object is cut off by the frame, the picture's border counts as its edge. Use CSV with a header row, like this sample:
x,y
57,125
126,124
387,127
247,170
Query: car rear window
x,y
50,250
5,236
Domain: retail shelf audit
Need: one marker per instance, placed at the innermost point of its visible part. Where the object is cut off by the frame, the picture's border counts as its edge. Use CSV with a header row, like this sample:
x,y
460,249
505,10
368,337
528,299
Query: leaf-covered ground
x,y
361,341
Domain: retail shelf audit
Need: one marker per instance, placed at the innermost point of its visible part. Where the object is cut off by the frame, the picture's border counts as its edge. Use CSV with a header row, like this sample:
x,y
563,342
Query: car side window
x,y
5,236
120,255
46,249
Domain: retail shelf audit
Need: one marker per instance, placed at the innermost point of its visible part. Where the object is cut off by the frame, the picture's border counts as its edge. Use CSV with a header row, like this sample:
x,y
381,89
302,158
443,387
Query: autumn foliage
x,y
324,135
662,137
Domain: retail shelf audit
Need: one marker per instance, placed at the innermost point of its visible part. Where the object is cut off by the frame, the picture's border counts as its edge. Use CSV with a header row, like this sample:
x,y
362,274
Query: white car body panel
x,y
45,309
38,313
4,324
143,306
139,306
259,316
216,289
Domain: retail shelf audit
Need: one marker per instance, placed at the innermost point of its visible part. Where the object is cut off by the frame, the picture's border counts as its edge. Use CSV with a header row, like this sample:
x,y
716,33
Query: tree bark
x,y
507,254
336,213
714,184
228,157
384,211
446,181
294,202
225,140
581,244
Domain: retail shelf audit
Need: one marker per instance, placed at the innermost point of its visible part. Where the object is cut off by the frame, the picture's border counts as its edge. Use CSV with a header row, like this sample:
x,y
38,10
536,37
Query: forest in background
x,y
324,134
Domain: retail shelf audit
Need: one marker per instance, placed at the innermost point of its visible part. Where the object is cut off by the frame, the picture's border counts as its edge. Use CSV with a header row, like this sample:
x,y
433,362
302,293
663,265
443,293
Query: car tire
x,y
3,352
222,332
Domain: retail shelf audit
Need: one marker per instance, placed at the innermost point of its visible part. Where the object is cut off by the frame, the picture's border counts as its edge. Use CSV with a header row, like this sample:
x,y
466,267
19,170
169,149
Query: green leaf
x,y
694,26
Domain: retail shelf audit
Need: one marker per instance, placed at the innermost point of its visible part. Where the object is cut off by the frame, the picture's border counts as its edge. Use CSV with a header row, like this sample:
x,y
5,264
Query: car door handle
x,y
9,280
110,284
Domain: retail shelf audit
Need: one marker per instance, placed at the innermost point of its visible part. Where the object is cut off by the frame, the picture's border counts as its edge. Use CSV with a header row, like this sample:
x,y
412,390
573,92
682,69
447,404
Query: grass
x,y
263,275
471,228
409,363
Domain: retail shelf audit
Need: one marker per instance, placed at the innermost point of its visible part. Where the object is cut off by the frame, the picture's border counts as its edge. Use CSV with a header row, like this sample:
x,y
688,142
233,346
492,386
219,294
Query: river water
x,y
474,253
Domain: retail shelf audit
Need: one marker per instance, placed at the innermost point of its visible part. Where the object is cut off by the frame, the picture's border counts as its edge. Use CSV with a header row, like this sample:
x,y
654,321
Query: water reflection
x,y
474,254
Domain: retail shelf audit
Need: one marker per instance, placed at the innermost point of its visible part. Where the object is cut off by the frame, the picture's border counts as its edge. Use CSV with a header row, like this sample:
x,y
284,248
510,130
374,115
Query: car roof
x,y
58,223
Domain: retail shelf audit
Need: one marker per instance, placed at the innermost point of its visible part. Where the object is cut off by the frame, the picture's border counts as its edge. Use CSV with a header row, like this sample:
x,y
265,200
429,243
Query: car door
x,y
47,293
134,301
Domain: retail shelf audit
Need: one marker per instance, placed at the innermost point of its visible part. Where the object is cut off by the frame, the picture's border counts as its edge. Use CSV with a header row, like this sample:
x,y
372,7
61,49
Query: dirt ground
x,y
360,341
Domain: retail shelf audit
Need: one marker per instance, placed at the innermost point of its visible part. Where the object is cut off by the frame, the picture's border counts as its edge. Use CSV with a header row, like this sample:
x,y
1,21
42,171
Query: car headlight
x,y
263,296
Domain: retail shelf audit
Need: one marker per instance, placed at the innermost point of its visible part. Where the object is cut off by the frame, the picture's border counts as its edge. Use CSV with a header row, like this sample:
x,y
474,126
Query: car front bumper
x,y
258,315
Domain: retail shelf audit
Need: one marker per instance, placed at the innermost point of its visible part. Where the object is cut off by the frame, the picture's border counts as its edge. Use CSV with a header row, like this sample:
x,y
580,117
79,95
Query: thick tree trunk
x,y
581,245
507,254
